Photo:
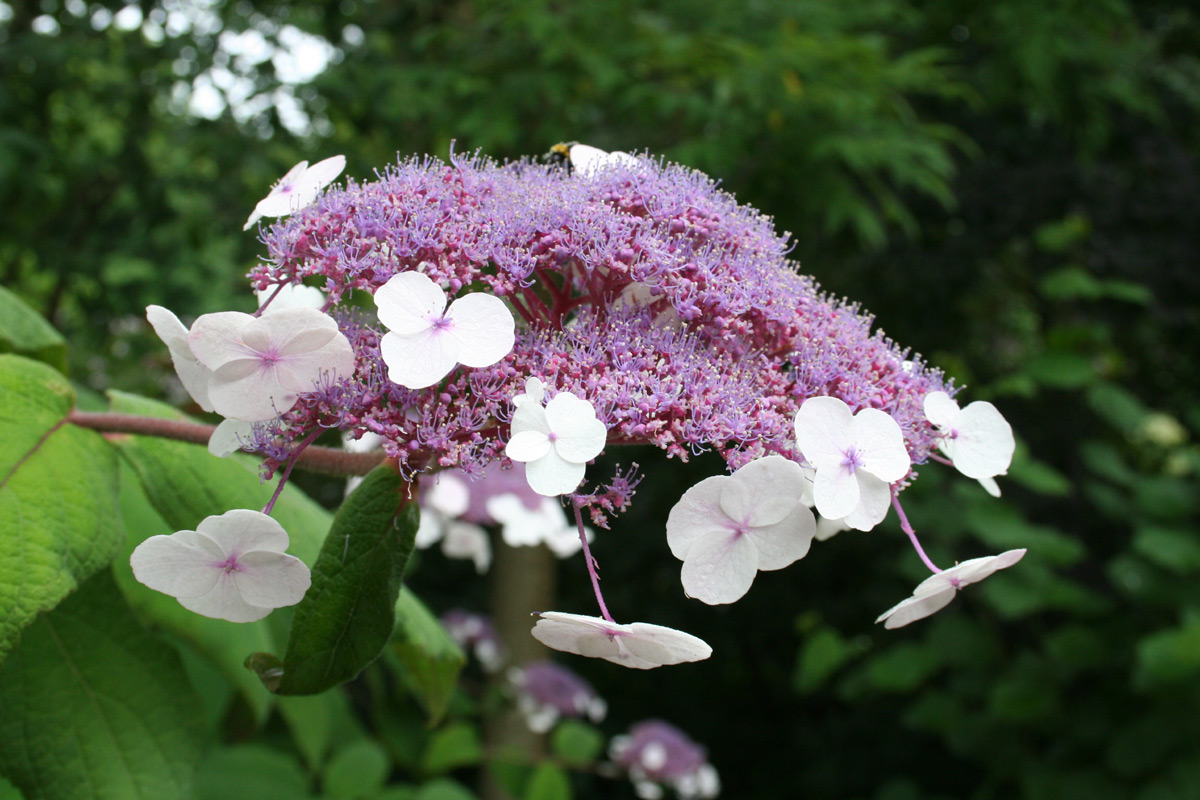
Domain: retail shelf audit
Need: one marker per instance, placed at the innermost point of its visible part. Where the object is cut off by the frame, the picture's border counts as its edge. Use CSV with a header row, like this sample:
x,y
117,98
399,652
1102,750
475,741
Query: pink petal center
x,y
851,460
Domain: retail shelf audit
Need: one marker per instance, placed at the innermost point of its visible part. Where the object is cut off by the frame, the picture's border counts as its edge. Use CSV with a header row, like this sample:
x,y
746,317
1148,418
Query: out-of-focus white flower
x,y
475,633
260,365
445,501
587,160
656,754
291,295
232,567
297,189
856,457
555,441
425,339
638,645
935,592
547,692
522,526
727,528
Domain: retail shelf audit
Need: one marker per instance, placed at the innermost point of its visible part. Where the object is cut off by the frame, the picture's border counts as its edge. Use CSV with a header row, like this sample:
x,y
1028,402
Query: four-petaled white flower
x,y
587,160
260,365
425,339
977,438
856,457
555,441
297,189
232,567
935,592
441,506
727,528
638,645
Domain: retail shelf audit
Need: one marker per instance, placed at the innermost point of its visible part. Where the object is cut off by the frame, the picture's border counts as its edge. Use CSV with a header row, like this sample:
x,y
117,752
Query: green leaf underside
x,y
96,707
59,522
348,615
431,659
24,332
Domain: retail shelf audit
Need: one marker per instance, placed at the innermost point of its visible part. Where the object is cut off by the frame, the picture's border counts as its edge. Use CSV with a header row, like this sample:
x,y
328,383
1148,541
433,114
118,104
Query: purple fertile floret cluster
x,y
644,289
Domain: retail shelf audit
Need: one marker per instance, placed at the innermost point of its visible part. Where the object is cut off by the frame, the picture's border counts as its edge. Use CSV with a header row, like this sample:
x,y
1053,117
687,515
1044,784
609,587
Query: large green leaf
x,y
24,332
431,659
96,707
59,522
349,613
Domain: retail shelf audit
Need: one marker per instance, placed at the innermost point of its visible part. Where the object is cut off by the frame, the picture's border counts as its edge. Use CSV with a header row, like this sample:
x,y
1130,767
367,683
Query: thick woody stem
x,y
326,460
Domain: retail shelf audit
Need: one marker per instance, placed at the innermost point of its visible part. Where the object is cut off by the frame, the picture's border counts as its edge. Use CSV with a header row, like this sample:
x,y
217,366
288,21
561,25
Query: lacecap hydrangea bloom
x,y
524,313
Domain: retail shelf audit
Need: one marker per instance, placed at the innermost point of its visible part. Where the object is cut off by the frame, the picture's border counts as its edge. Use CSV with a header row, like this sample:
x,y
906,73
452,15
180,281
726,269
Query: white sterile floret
x,y
232,567
977,438
441,506
546,524
587,160
290,295
638,645
555,441
260,365
727,528
425,339
229,437
191,372
826,528
935,592
855,457
297,189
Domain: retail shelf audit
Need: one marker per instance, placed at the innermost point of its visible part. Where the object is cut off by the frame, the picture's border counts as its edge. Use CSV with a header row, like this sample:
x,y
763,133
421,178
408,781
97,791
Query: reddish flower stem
x,y
591,562
912,535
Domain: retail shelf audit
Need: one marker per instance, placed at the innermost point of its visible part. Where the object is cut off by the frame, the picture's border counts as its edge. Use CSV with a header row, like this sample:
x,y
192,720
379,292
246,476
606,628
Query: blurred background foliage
x,y
1009,187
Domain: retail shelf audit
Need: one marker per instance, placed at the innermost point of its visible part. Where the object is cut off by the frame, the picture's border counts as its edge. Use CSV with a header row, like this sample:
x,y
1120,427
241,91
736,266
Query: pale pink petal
x,y
216,339
990,486
291,295
535,392
320,175
527,446
467,541
697,513
552,475
984,445
720,567
247,390
916,607
276,203
483,327
530,416
874,499
271,580
510,512
828,528
299,330
785,542
301,372
579,436
835,490
410,302
681,646
822,430
241,530
880,445
573,633
229,437
976,569
941,410
418,360
192,374
449,494
224,602
180,565
773,486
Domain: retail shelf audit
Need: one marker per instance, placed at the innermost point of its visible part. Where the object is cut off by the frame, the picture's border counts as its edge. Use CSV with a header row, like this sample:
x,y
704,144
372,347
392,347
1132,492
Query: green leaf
x,y
825,651
456,745
348,615
9,792
251,772
445,789
432,660
356,770
185,483
317,722
25,333
95,707
548,783
1169,656
1175,549
59,522
577,743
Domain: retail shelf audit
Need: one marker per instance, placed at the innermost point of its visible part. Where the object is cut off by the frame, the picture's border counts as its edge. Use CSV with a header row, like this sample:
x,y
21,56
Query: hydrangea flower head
x,y
638,645
232,567
935,592
726,529
855,456
547,692
656,754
